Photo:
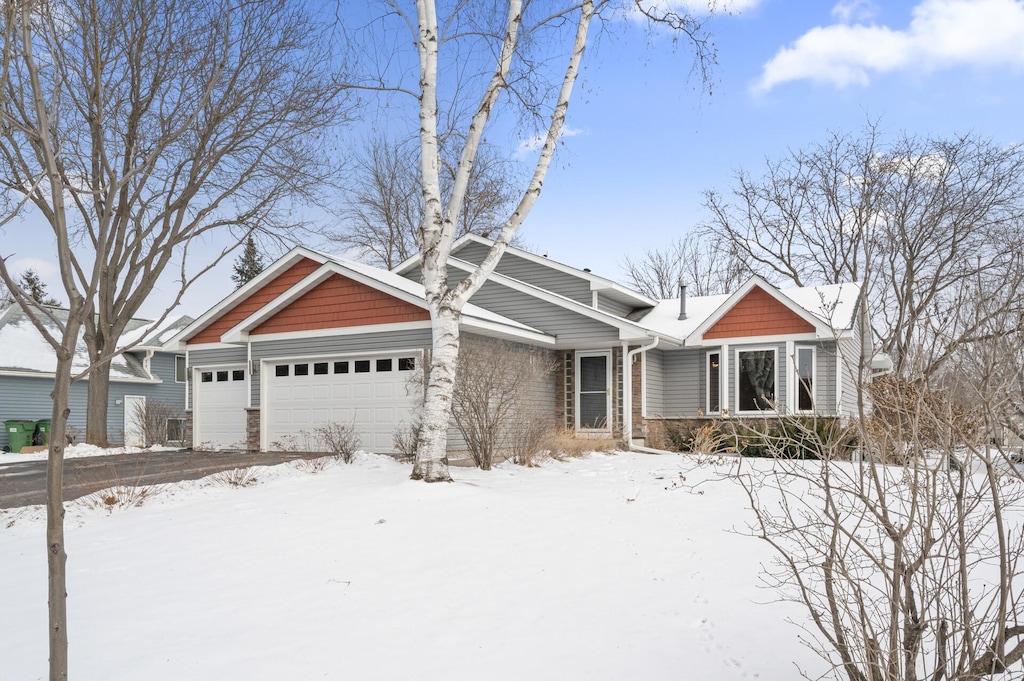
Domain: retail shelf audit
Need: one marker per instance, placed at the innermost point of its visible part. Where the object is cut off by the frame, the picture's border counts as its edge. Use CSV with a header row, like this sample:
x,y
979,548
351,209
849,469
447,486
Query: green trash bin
x,y
19,434
42,432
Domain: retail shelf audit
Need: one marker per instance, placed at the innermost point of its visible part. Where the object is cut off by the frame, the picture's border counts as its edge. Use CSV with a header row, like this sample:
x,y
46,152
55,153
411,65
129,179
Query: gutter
x,y
627,386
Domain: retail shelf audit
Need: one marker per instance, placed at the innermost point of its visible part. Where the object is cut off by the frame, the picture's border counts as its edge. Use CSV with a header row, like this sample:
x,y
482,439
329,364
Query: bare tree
x,y
134,128
919,220
707,265
494,400
385,208
205,122
509,49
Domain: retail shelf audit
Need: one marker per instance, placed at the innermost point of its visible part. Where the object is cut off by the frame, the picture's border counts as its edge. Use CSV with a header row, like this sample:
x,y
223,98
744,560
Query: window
x,y
302,370
714,401
207,377
320,368
362,366
341,367
383,365
238,375
592,379
805,379
281,370
755,380
406,363
179,369
222,376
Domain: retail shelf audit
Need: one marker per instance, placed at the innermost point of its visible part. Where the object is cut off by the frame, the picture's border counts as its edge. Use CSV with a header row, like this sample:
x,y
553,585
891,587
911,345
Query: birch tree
x,y
134,129
523,38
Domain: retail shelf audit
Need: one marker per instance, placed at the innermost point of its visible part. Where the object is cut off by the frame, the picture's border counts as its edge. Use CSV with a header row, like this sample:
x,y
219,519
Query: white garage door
x,y
372,394
219,409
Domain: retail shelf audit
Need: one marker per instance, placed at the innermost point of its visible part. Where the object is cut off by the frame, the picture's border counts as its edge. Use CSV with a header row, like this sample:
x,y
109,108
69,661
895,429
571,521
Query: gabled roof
x,y
831,309
473,317
25,351
628,329
613,290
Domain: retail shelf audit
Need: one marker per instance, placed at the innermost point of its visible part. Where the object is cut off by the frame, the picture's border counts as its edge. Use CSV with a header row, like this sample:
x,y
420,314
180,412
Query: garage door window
x,y
383,365
406,363
362,366
222,376
302,370
207,377
341,367
238,375
320,368
281,370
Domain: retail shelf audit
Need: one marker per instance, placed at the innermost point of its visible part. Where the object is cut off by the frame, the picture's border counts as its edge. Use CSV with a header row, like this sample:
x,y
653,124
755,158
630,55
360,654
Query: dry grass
x,y
121,496
564,445
246,476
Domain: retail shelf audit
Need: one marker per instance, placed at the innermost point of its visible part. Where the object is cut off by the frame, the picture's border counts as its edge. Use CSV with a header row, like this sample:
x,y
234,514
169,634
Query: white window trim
x,y
795,372
707,382
608,392
736,379
184,361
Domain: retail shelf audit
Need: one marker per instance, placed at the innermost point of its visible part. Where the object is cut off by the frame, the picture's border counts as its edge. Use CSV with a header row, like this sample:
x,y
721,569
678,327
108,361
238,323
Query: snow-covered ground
x,y
78,452
599,568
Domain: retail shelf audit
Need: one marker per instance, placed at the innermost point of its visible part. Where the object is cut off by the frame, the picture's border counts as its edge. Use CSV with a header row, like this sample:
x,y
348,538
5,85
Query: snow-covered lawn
x,y
79,452
586,569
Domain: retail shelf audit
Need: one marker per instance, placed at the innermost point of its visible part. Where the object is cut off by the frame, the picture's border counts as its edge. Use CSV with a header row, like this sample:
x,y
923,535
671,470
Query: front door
x,y
593,392
134,420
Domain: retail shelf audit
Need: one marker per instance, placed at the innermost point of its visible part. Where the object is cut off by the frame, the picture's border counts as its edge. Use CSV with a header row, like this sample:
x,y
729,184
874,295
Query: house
x,y
317,339
146,372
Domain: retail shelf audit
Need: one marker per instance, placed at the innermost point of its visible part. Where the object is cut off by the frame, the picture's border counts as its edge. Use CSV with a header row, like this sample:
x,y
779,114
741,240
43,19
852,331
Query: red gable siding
x,y
758,314
272,289
340,302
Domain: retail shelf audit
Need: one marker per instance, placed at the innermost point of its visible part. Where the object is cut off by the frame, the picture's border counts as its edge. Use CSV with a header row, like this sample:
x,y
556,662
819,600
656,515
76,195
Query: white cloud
x,y
532,144
702,6
854,10
942,33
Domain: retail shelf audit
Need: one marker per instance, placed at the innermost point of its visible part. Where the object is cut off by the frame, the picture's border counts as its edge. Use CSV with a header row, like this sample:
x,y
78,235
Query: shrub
x,y
337,440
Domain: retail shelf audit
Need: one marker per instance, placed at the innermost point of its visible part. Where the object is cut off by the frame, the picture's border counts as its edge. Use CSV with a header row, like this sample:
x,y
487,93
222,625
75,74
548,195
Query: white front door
x,y
134,420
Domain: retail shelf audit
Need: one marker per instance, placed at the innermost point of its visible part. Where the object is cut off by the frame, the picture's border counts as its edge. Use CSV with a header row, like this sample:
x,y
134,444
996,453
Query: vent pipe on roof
x,y
682,300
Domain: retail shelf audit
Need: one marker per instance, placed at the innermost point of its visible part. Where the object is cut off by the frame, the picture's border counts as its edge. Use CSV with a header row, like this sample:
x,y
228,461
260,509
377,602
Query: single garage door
x,y
219,408
373,394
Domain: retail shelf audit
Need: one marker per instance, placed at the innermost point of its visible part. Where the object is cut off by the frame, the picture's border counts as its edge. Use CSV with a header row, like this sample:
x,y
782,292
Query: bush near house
x,y
798,437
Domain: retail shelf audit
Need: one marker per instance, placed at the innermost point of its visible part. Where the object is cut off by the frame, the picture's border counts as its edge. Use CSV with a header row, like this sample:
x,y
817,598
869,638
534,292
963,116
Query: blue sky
x,y
645,141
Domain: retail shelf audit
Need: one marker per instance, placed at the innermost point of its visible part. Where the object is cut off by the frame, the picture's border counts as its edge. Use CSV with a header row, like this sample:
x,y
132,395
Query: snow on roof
x,y
25,349
146,335
834,305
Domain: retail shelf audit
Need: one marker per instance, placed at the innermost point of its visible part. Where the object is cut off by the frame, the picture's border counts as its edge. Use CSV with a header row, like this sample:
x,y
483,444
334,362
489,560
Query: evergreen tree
x,y
35,288
248,265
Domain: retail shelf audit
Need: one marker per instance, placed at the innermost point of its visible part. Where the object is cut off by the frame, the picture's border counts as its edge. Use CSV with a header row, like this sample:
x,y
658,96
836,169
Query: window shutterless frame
x,y
756,379
713,382
593,391
804,362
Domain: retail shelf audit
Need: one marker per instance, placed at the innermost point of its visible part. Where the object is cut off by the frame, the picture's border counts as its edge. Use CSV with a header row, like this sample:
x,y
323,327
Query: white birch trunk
x,y
432,450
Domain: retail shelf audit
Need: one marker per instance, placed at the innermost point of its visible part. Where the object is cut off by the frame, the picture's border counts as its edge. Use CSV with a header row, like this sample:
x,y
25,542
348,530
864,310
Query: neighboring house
x,y
146,372
317,339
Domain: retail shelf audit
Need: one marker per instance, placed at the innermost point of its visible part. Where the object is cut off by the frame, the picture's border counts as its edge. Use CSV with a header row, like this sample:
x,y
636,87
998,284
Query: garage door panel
x,y
372,397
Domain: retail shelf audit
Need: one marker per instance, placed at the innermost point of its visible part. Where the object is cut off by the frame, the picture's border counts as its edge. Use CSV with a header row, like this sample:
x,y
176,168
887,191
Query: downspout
x,y
627,388
147,361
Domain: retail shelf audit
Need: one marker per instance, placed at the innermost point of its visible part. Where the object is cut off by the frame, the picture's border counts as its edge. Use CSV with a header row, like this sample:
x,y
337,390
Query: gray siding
x,y
613,306
336,345
849,352
537,274
654,382
825,377
682,395
28,398
570,327
216,356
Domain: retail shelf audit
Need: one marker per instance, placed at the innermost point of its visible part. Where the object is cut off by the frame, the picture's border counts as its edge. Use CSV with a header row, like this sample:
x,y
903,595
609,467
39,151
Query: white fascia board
x,y
489,328
822,330
283,263
625,328
340,331
240,332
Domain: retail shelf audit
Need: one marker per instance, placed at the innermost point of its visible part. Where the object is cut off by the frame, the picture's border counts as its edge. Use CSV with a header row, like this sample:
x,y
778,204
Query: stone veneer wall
x,y
188,428
252,429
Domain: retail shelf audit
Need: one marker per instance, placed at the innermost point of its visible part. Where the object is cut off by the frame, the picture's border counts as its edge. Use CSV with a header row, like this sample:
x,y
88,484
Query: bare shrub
x,y
244,476
313,466
121,496
565,445
493,396
527,441
407,437
151,418
337,440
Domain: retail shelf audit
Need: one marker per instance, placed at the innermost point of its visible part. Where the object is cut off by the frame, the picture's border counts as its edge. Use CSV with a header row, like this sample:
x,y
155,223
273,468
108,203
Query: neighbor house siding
x,y
28,398
654,382
512,265
570,327
364,343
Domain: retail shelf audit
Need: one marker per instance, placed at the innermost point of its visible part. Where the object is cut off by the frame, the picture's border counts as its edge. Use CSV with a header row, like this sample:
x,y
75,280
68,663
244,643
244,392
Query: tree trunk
x,y
432,451
56,558
96,407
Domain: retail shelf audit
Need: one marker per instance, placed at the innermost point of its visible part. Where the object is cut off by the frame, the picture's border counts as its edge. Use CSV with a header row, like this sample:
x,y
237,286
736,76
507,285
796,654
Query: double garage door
x,y
373,394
